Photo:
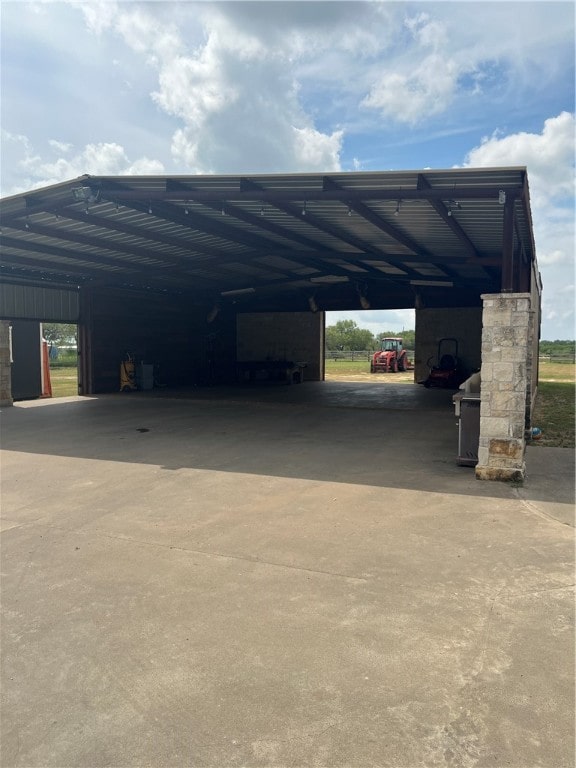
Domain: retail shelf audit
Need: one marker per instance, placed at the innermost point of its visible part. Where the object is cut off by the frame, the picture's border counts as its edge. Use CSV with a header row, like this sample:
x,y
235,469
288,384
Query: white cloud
x,y
454,52
549,157
144,166
101,159
99,14
233,92
316,150
241,79
60,146
427,32
552,257
427,90
428,85
17,141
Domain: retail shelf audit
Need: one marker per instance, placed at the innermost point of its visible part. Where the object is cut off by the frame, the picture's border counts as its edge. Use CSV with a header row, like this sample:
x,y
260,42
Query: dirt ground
x,y
373,378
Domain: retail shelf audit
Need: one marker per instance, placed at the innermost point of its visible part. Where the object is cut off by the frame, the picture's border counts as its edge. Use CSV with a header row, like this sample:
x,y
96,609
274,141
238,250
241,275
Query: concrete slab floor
x,y
214,582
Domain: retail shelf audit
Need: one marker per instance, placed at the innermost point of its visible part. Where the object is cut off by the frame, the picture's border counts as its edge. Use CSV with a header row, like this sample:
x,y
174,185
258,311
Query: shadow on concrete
x,y
387,436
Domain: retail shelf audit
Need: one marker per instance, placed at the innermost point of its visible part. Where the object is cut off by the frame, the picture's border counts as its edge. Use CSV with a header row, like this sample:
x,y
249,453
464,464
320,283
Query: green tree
x,y
347,335
558,348
59,333
408,337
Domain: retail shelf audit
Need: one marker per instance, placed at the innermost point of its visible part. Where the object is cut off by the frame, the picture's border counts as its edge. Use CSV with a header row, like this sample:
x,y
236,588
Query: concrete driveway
x,y
278,579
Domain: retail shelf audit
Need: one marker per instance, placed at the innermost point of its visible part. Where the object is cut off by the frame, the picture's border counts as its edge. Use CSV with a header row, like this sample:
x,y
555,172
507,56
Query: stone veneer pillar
x,y
506,338
5,365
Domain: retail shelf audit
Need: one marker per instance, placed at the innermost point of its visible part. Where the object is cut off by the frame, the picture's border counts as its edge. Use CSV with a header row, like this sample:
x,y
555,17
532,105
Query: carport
x,y
181,586
197,274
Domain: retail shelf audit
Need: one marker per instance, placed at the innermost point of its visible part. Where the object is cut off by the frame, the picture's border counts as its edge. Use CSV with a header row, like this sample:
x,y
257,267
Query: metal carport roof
x,y
282,240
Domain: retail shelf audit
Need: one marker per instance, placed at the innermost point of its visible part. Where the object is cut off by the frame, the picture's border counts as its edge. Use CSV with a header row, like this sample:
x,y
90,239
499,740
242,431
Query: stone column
x,y
5,365
506,339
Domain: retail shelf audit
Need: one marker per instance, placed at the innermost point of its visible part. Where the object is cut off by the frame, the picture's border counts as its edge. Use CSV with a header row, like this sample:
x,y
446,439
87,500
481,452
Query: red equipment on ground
x,y
390,358
445,372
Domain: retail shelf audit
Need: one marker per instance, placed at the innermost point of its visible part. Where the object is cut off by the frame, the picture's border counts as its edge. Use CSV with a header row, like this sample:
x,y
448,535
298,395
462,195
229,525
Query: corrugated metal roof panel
x,y
395,223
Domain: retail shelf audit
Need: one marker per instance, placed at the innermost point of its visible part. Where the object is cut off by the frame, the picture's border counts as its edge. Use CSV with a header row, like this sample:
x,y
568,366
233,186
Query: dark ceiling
x,y
332,241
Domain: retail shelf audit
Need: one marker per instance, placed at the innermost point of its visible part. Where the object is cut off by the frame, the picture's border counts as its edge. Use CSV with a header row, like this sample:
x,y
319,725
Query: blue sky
x,y
107,87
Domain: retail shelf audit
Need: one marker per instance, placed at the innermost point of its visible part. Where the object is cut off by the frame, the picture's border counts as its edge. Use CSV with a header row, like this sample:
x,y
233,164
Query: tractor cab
x,y
391,345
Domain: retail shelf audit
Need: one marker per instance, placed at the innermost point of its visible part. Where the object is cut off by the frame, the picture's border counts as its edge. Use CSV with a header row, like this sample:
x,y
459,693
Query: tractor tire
x,y
402,364
394,366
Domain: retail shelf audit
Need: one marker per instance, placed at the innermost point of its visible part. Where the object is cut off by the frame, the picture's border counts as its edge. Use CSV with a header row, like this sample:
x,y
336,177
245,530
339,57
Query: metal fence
x,y
355,354
552,358
366,354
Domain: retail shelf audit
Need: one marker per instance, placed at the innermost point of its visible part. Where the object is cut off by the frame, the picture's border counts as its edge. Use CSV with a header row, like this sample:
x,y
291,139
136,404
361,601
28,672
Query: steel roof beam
x,y
528,214
442,211
95,242
508,272
374,270
12,277
88,276
259,222
129,229
194,221
81,274
211,263
201,223
51,250
104,223
23,261
391,258
309,218
378,222
244,192
122,268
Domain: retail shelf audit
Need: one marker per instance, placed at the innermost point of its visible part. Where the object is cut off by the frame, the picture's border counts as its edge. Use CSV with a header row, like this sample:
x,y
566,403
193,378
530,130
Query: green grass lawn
x,y
342,367
556,372
554,414
64,381
554,411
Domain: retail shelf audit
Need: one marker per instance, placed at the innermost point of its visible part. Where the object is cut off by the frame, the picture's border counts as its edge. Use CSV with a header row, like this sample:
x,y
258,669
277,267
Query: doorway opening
x,y
62,346
44,359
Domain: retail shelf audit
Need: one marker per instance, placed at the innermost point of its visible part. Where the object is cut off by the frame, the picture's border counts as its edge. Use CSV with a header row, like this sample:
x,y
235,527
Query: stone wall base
x,y
504,474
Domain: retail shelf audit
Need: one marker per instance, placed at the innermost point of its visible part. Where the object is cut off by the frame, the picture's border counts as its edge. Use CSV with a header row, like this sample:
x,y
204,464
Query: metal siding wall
x,y
24,302
282,336
462,323
27,365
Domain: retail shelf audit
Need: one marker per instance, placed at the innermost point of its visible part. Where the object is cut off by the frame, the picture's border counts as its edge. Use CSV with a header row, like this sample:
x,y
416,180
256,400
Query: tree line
x,y
60,333
346,335
558,348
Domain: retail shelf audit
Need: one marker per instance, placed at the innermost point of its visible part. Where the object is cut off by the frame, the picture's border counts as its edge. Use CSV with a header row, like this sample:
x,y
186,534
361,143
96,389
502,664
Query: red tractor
x,y
390,358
